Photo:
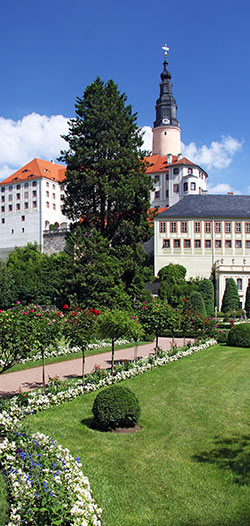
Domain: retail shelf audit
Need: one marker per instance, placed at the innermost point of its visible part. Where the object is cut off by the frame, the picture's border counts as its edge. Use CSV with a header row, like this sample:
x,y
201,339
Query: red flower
x,y
185,299
58,314
95,311
32,310
206,322
65,306
74,313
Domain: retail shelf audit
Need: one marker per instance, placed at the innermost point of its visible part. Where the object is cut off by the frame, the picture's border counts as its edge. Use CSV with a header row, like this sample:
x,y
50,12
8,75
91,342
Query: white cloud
x,y
217,155
32,136
147,138
221,188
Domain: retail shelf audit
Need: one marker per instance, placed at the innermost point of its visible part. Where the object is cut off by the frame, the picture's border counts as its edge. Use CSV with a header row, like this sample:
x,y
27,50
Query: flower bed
x,y
58,475
45,482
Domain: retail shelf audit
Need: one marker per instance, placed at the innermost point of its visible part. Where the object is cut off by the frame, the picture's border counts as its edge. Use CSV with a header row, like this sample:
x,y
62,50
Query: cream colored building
x,y
210,236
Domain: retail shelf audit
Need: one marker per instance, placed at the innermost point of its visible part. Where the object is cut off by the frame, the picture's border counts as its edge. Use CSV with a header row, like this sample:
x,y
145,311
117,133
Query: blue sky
x,y
51,50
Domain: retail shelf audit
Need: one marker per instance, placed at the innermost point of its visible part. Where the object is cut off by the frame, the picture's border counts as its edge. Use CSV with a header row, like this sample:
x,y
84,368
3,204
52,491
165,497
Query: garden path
x,y
10,383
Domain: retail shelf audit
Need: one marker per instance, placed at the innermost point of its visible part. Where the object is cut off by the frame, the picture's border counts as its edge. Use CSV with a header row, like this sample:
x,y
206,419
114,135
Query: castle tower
x,y
166,131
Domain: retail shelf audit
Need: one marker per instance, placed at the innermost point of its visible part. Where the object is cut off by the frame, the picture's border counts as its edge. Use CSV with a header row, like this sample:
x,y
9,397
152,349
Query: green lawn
x,y
189,465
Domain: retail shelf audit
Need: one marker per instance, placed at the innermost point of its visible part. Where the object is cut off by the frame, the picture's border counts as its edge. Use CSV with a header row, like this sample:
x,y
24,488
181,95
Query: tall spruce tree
x,y
247,301
206,288
107,187
230,299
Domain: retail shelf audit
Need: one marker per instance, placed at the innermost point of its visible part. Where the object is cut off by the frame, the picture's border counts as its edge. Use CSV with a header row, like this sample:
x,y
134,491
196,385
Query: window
x,y
10,188
54,206
239,283
228,227
22,230
54,196
3,220
193,186
218,243
22,218
26,205
18,206
217,227
167,176
162,227
197,243
2,208
247,227
12,230
184,226
187,243
34,183
173,226
238,243
18,196
176,171
2,198
18,186
247,244
34,193
190,170
47,184
47,204
34,204
157,179
157,194
47,193
207,227
237,227
208,243
228,243
197,227
26,185
26,195
10,208
177,243
167,193
3,189
10,197
185,187
175,188
166,243
53,186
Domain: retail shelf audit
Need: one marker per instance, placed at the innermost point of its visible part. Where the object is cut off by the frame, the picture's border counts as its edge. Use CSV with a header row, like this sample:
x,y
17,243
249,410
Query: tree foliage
x,y
197,304
247,300
206,288
106,181
230,299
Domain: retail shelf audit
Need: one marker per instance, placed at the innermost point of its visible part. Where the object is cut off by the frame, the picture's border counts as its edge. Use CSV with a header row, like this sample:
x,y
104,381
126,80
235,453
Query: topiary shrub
x,y
115,407
239,335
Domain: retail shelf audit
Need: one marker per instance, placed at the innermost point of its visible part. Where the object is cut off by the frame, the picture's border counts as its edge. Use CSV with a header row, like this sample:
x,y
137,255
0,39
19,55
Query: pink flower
x,y
25,312
18,302
144,307
31,310
39,314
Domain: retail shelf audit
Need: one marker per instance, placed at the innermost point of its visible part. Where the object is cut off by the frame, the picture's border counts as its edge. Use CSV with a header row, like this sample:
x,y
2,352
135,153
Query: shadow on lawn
x,y
230,453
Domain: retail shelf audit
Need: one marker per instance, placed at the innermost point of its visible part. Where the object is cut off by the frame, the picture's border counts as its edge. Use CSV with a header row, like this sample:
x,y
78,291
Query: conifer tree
x,y
197,304
247,301
230,299
107,186
206,288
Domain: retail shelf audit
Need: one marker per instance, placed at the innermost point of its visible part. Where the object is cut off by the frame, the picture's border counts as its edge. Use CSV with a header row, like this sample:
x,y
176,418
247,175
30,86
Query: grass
x,y
3,501
189,465
72,356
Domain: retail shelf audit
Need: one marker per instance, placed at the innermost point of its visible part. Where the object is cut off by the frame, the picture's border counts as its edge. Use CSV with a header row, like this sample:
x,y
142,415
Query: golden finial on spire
x,y
166,49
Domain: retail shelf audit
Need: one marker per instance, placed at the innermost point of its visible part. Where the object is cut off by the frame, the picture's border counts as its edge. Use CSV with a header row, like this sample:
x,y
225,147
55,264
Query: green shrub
x,y
197,304
239,335
230,300
115,407
222,336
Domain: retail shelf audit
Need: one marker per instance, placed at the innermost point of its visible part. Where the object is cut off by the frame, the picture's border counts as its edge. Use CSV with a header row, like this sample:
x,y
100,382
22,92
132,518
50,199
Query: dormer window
x,y
176,171
190,171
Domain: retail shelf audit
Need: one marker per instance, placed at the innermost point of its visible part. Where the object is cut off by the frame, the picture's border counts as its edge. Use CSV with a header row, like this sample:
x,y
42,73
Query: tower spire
x,y
166,131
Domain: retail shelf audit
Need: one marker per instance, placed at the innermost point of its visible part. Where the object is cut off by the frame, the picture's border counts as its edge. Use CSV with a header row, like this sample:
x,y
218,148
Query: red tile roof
x,y
35,170
159,163
154,212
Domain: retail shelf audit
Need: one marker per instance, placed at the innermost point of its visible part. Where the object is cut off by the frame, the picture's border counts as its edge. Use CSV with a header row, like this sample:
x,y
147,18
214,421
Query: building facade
x,y
31,203
210,236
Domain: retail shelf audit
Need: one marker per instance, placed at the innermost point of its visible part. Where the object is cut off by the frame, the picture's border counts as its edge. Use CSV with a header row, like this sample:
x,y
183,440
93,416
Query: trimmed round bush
x,y
115,407
239,335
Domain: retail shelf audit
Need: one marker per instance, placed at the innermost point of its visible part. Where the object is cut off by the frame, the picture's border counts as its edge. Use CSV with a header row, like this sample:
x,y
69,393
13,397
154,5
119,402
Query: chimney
x,y
179,156
170,158
230,193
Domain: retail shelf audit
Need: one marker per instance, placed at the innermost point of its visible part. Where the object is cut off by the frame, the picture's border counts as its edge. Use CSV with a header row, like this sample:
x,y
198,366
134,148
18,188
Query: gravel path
x,y
10,383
